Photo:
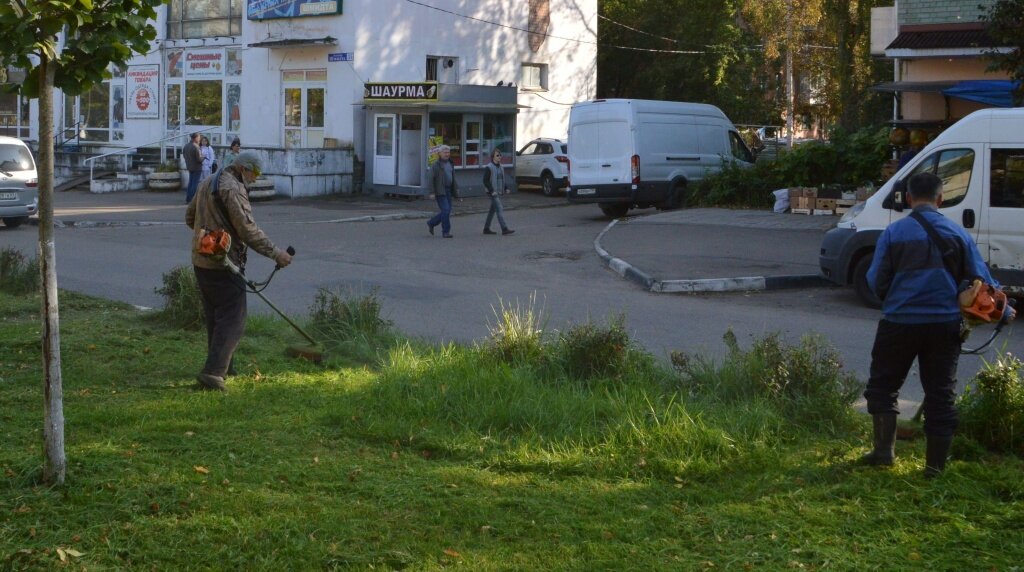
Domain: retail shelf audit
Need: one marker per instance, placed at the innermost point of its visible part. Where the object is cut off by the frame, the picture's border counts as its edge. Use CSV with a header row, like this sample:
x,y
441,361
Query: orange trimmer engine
x,y
983,303
214,242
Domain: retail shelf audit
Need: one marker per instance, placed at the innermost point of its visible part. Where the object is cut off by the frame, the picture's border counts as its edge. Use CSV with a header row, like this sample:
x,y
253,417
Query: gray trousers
x,y
224,302
496,208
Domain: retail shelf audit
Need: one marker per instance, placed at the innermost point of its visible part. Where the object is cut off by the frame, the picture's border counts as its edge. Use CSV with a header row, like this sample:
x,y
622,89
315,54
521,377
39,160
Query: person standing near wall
x,y
194,163
494,182
442,180
208,158
231,153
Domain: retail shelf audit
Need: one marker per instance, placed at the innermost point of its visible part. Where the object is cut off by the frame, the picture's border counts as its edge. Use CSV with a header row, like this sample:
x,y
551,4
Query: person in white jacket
x,y
208,157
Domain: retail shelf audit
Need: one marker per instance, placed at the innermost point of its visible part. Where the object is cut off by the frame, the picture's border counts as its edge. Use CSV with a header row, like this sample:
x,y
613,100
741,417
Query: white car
x,y
19,192
544,162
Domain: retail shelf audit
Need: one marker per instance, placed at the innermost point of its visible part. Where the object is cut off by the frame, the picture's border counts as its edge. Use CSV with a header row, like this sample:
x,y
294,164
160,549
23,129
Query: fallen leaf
x,y
22,509
76,538
154,507
316,460
145,350
452,553
915,556
225,482
201,470
63,555
189,434
607,535
92,346
394,455
73,552
9,473
32,532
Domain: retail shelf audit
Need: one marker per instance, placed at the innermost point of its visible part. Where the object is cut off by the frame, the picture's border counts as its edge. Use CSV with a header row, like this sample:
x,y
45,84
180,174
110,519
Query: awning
x,y
296,43
916,86
942,39
997,93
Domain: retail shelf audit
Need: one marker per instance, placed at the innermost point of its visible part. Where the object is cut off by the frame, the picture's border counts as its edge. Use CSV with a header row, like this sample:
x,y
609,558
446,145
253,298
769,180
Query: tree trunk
x,y
55,464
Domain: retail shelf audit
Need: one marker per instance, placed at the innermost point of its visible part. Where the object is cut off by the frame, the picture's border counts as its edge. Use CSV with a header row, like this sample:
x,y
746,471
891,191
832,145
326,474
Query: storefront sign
x,y
143,87
400,91
204,63
340,57
268,9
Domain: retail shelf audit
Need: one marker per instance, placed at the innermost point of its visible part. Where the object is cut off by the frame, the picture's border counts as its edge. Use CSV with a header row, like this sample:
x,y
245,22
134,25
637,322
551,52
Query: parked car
x,y
19,193
633,153
980,160
544,162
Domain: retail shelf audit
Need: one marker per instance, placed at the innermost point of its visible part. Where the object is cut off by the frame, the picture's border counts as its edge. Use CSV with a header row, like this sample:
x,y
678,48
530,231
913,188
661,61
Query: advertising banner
x,y
269,9
400,91
143,87
204,63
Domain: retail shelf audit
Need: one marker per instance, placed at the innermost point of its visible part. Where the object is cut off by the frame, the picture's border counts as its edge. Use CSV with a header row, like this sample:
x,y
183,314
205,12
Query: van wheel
x,y
615,211
547,185
675,198
14,221
860,283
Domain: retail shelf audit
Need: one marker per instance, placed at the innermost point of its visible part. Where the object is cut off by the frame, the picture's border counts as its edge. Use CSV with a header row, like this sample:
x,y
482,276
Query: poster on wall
x,y
434,143
204,63
143,88
268,9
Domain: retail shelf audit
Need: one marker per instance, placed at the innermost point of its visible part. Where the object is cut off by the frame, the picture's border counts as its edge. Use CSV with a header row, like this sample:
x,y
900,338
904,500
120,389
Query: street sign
x,y
340,57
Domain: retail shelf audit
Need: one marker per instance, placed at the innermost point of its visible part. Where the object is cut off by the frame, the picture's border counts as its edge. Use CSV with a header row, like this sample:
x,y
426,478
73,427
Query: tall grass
x,y
517,335
350,322
992,406
183,304
18,275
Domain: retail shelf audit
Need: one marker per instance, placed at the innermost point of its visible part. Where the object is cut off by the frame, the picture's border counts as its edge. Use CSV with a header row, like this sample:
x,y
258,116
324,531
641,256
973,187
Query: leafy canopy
x,y
96,34
1005,21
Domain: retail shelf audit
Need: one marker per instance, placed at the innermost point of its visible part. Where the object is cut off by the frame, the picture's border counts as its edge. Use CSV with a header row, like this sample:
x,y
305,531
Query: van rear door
x,y
1004,213
600,152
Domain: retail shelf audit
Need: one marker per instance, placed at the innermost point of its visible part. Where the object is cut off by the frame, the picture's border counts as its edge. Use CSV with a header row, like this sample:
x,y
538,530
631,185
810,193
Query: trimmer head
x,y
314,354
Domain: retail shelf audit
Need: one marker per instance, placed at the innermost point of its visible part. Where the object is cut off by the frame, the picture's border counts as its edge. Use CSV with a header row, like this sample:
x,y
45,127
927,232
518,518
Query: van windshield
x,y
15,158
600,140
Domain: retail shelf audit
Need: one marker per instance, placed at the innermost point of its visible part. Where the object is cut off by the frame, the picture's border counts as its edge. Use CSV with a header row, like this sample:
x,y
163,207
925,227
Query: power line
x,y
546,35
606,18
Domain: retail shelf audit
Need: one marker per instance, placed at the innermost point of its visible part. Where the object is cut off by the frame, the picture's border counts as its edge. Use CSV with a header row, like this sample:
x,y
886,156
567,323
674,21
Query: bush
x,y
183,305
518,336
805,382
18,275
589,351
167,167
343,317
846,159
992,408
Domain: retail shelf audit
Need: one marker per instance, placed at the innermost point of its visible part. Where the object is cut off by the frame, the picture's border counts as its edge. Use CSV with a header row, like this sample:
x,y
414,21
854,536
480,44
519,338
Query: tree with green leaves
x,y
69,44
1005,21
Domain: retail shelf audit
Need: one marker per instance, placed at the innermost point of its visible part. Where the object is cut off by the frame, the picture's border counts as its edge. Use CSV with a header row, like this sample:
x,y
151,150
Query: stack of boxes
x,y
825,201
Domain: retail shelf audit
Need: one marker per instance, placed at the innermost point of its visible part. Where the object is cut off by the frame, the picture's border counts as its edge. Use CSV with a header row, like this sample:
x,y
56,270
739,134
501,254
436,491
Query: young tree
x,y
69,44
1005,21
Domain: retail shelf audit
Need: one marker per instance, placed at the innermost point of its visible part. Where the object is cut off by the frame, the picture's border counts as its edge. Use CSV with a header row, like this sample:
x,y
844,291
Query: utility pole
x,y
789,74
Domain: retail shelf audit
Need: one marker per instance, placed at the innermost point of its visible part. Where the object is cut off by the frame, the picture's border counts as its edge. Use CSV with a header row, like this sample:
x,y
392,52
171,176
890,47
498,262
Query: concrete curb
x,y
742,284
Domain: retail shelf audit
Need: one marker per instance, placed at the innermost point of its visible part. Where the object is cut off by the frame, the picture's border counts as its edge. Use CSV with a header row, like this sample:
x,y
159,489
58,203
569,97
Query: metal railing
x,y
59,140
92,160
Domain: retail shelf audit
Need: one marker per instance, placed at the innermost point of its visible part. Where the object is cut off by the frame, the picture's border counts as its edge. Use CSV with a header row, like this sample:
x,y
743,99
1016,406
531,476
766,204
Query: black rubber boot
x,y
884,425
936,453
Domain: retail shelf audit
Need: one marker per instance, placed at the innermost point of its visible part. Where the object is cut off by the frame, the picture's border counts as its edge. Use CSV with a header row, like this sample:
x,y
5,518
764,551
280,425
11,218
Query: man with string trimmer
x,y
222,204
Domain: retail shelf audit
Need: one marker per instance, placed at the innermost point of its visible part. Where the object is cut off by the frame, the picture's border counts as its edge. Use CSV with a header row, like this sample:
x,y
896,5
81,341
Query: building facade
x,y
307,83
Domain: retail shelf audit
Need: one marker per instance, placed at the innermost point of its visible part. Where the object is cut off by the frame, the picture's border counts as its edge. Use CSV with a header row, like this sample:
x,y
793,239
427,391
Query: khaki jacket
x,y
204,213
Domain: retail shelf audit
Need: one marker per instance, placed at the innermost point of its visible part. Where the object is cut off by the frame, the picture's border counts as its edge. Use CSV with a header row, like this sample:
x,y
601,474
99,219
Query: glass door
x,y
384,163
305,93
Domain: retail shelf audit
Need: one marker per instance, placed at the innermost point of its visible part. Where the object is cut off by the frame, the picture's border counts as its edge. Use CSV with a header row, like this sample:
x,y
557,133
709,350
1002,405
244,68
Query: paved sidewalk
x,y
699,250
144,208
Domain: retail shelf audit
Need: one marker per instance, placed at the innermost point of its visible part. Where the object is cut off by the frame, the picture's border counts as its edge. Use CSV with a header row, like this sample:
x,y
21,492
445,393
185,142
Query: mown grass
x,y
434,458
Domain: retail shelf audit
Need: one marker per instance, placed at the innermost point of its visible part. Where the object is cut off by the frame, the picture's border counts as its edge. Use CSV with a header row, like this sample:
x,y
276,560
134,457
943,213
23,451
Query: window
x,y
443,69
174,107
498,131
203,103
204,18
739,148
535,76
529,149
473,133
305,94
954,167
1007,178
14,108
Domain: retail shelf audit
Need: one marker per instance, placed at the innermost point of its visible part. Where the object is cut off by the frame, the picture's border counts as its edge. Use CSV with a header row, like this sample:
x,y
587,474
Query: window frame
x,y
178,18
542,76
1002,197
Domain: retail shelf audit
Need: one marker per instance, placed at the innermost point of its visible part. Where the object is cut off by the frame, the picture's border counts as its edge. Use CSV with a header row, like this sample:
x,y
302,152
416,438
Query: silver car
x,y
19,193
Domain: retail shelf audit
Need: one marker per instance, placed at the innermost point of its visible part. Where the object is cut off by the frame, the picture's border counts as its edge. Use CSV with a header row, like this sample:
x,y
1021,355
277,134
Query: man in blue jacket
x,y
921,319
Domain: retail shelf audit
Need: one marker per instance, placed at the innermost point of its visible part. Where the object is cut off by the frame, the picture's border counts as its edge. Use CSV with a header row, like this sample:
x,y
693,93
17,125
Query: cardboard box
x,y
811,192
845,203
801,211
795,192
801,203
825,204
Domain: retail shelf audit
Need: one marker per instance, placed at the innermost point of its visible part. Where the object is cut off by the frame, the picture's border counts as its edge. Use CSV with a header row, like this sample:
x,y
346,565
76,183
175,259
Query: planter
x,y
261,190
164,181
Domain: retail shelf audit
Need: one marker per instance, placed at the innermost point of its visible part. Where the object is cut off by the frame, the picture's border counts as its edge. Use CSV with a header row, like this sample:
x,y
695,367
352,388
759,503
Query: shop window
x,y
94,109
446,129
203,103
1007,178
204,18
497,134
535,77
14,108
305,96
474,156
173,106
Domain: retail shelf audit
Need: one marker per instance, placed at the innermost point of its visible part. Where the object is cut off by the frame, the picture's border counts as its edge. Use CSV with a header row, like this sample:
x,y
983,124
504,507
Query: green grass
x,y
444,457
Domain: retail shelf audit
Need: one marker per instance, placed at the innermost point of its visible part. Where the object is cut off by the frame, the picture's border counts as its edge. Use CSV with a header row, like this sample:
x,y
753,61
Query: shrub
x,y
518,335
167,167
992,408
342,317
183,304
588,351
804,382
18,275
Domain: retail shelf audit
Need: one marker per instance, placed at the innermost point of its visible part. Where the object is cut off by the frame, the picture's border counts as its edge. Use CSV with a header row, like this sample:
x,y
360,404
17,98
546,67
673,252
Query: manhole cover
x,y
555,255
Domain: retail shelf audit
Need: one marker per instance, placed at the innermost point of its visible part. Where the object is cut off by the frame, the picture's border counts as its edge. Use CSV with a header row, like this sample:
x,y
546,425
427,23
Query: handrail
x,y
77,138
126,150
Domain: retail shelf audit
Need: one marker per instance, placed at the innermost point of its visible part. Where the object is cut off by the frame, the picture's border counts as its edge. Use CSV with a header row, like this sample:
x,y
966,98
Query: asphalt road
x,y
445,290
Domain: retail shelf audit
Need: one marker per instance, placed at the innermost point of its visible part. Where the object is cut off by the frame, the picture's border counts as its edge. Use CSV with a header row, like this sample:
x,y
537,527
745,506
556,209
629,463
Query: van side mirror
x,y
895,200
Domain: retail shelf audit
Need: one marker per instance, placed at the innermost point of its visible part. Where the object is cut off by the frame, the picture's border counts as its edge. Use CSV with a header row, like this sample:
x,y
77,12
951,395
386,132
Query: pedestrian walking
x,y
194,163
494,182
209,160
221,203
442,180
919,267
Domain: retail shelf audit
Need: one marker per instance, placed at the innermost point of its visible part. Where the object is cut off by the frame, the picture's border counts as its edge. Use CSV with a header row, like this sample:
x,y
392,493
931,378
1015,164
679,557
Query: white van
x,y
634,153
980,160
19,183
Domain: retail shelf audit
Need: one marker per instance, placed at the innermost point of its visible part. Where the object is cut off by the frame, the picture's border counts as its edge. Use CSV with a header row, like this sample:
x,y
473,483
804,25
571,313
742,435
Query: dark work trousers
x,y
224,303
937,349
